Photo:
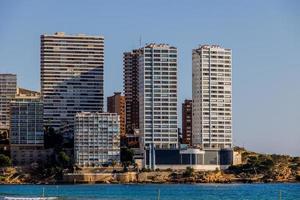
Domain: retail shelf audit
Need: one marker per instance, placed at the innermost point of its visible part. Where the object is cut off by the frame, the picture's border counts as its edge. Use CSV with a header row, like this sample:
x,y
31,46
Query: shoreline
x,y
169,183
184,182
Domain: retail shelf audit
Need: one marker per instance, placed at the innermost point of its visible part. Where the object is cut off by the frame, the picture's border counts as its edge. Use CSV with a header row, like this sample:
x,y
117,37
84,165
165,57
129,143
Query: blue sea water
x,y
150,191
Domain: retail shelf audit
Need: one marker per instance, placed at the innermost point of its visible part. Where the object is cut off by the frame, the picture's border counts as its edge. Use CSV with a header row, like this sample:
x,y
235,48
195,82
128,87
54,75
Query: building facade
x,y
158,96
212,97
26,120
187,119
72,68
96,139
180,159
116,104
131,89
26,125
8,88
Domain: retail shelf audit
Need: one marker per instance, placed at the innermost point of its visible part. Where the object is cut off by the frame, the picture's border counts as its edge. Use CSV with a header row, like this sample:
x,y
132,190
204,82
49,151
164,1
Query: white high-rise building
x,y
96,139
212,97
72,68
26,128
8,88
158,96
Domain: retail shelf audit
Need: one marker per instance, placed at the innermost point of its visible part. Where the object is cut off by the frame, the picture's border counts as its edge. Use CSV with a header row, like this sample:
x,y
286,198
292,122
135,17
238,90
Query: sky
x,y
264,37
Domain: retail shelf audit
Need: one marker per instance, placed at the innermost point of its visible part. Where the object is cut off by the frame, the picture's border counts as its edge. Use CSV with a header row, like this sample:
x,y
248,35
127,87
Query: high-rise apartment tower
x,y
8,88
158,95
212,97
131,89
72,68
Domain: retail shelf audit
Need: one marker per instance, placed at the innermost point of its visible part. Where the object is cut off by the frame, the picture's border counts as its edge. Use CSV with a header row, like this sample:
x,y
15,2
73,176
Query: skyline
x,y
264,116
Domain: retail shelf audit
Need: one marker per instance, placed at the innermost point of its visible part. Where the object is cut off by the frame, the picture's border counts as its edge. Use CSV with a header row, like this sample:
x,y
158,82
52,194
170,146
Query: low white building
x,y
181,158
96,139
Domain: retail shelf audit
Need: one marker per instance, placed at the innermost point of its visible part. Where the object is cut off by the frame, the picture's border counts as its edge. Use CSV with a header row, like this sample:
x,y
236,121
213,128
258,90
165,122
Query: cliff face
x,y
266,168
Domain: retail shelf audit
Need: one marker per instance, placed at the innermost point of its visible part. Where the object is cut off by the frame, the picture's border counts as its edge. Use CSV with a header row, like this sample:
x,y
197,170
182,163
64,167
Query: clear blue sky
x,y
263,35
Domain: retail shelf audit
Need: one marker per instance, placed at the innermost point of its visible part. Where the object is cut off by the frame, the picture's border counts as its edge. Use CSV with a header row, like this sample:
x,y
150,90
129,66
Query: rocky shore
x,y
17,177
255,168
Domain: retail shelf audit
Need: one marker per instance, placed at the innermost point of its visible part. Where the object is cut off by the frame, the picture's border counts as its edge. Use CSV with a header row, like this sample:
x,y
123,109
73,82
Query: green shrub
x,y
169,170
145,169
5,161
189,171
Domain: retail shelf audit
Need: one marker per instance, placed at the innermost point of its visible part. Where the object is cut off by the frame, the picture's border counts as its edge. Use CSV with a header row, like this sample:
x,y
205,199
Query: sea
x,y
285,191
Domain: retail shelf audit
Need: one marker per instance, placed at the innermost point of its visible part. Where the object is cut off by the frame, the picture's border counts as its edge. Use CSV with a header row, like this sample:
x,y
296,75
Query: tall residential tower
x,y
8,88
131,89
155,68
71,77
212,97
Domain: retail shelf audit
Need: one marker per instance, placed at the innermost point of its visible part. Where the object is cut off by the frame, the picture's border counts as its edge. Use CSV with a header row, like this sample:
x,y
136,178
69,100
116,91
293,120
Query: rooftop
x,y
213,46
80,35
158,45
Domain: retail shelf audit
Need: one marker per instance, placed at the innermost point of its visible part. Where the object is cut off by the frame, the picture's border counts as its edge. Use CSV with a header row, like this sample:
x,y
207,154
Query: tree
x,y
126,157
5,161
52,138
63,159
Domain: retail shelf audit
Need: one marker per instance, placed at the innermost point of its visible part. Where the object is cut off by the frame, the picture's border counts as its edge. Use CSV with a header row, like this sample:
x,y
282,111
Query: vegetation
x,y
5,161
189,171
127,158
52,138
266,167
145,169
64,160
254,168
254,165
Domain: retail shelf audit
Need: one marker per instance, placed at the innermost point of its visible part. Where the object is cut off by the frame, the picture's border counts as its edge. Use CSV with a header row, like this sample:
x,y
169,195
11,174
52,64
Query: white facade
x,y
158,96
96,139
72,68
8,88
212,97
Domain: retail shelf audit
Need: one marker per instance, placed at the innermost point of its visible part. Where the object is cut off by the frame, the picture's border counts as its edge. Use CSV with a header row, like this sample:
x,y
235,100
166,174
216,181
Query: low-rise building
x,y
180,158
96,139
237,158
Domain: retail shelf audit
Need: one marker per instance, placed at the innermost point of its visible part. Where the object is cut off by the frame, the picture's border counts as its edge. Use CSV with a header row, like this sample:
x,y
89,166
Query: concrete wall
x,y
237,158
